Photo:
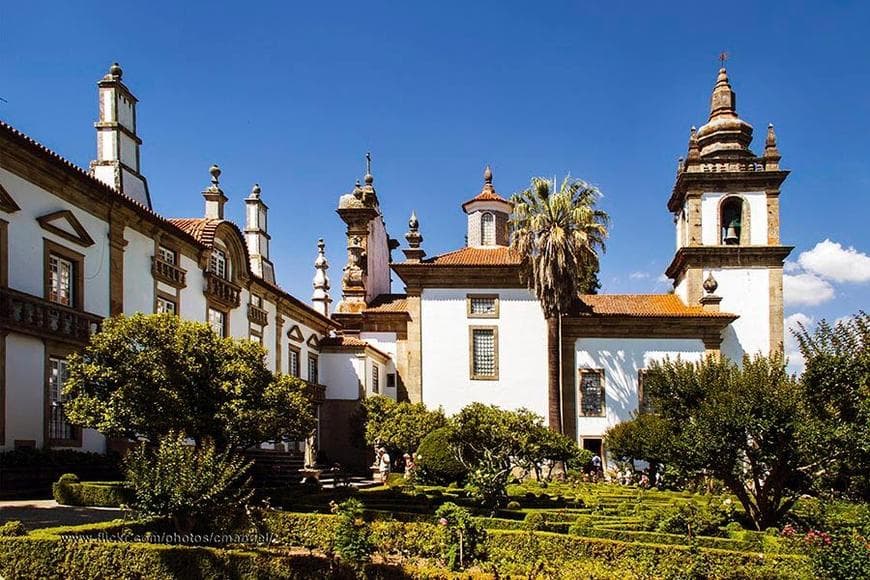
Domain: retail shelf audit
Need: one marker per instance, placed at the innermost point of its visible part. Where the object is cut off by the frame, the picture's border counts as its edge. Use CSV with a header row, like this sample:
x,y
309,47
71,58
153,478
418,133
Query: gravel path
x,y
44,513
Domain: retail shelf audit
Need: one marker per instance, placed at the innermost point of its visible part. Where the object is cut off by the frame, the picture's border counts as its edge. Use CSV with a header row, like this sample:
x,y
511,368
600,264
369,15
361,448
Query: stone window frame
x,y
166,297
164,250
745,220
580,389
298,352
213,262
315,359
212,306
493,297
56,351
78,275
376,378
473,375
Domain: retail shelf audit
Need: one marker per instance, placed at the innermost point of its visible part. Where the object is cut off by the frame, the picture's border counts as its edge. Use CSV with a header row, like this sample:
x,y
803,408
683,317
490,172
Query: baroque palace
x,y
79,245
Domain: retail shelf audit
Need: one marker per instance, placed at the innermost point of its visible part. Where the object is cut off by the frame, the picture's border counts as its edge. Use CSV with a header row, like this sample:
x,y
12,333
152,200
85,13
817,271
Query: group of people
x,y
383,464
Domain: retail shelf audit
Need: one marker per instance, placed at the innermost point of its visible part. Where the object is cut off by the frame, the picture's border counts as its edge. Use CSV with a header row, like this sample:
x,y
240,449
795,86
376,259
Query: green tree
x,y
399,426
836,386
746,425
558,235
147,375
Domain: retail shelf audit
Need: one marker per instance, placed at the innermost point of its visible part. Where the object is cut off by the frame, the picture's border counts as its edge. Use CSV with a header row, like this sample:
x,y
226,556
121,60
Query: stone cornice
x,y
708,329
723,181
418,276
727,257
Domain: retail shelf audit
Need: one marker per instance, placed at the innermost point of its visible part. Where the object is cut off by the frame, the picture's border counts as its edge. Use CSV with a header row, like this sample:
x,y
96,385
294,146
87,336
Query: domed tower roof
x,y
725,134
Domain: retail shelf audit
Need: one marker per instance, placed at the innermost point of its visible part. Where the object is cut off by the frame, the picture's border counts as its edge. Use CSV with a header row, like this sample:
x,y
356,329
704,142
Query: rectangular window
x,y
391,380
376,378
257,334
61,276
167,255
482,305
313,375
59,429
257,300
642,403
166,306
217,264
592,392
218,321
293,362
484,353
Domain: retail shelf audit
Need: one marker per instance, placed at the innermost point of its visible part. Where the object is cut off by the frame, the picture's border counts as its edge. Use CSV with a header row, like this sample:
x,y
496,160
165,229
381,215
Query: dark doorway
x,y
593,445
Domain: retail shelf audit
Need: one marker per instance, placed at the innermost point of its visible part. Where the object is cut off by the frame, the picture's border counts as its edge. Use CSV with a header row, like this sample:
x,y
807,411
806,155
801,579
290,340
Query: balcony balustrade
x,y
257,315
27,314
168,273
222,291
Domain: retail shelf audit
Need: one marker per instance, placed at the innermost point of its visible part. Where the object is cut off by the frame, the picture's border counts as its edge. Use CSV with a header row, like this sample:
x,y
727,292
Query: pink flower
x,y
443,521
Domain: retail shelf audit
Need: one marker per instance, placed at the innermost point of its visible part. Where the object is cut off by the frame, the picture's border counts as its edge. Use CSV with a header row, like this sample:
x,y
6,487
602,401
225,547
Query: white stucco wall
x,y
138,282
25,388
745,291
342,374
522,346
621,358
757,201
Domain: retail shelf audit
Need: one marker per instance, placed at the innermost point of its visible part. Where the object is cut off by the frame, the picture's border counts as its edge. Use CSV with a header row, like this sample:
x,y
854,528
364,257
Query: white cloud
x,y
662,279
793,322
638,275
790,266
805,289
831,260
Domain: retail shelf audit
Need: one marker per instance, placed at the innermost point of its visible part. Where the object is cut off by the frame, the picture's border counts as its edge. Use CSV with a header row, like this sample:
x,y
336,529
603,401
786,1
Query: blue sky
x,y
292,95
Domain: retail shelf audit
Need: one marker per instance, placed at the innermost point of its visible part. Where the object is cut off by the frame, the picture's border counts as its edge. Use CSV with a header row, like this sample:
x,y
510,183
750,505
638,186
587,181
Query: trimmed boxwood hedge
x,y
69,491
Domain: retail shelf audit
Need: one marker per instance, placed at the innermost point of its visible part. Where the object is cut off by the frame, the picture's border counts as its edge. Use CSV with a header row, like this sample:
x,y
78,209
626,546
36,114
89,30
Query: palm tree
x,y
558,235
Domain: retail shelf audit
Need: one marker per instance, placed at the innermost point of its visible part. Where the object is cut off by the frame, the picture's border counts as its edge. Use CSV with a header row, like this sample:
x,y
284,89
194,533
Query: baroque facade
x,y
79,245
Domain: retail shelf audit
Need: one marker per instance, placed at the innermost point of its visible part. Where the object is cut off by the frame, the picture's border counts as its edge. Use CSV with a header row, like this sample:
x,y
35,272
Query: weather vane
x,y
723,56
369,163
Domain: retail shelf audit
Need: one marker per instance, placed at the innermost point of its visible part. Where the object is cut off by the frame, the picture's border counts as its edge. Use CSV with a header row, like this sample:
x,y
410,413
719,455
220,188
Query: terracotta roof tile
x,y
203,229
476,256
642,305
389,303
350,341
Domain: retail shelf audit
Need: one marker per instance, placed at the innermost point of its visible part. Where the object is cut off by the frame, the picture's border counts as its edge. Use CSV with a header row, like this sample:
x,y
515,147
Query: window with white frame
x,y
484,353
592,392
166,306
293,362
487,229
376,378
61,280
313,374
218,263
167,255
217,319
59,429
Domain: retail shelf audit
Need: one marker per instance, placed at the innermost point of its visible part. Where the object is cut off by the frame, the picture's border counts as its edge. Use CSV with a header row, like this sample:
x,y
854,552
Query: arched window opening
x,y
487,229
731,221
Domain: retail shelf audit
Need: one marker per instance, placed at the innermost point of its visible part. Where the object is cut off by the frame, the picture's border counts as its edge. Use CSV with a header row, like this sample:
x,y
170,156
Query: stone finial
x,y
214,196
321,298
710,302
710,284
771,152
414,253
487,175
369,178
115,71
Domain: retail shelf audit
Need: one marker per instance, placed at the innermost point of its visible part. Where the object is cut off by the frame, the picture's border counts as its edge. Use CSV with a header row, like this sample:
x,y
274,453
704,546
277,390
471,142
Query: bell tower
x,y
725,203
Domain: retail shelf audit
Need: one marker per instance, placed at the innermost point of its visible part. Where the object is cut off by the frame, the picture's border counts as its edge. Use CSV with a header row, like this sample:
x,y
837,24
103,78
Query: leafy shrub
x,y
463,540
68,491
192,486
70,458
513,505
843,555
13,528
352,534
436,461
